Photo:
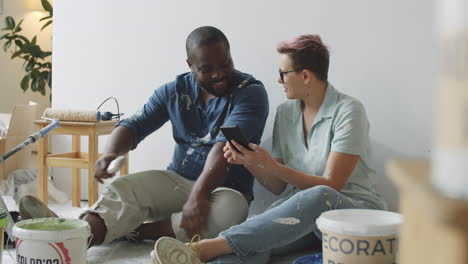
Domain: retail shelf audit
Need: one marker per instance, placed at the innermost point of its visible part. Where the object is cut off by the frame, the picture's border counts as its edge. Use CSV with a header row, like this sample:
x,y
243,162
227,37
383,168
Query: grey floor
x,y
125,252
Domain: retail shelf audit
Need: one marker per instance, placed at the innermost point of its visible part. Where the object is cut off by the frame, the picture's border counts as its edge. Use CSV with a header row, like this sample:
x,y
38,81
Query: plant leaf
x,y
18,27
7,45
10,23
35,51
46,24
41,86
44,18
16,54
30,65
49,80
26,40
4,36
19,43
25,83
34,84
46,54
46,5
33,41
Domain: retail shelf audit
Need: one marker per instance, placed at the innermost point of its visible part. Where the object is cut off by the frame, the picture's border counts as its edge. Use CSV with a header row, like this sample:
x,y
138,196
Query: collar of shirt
x,y
326,108
236,80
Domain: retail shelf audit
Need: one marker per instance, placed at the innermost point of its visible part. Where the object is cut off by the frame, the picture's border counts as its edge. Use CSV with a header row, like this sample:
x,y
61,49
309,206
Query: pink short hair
x,y
308,52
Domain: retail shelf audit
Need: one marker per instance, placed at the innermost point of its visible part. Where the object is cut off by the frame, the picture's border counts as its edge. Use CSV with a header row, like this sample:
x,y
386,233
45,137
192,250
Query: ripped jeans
x,y
288,226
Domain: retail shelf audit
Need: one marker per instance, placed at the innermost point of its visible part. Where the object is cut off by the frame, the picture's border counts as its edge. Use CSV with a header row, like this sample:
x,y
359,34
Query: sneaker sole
x,y
168,250
154,258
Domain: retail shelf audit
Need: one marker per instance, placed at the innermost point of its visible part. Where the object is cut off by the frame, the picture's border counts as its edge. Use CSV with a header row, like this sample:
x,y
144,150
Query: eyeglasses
x,y
282,73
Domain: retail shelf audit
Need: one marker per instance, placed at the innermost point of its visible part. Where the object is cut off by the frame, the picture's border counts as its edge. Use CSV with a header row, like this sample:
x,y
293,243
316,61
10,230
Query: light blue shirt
x,y
341,125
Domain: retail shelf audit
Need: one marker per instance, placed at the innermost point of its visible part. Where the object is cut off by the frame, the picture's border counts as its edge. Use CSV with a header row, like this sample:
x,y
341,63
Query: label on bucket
x,y
345,249
43,252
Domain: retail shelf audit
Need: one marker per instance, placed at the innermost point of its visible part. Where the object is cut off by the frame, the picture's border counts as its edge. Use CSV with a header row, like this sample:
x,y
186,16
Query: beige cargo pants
x,y
149,196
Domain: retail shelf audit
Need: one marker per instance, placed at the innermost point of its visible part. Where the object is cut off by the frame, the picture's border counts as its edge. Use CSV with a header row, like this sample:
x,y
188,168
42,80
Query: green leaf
x,y
35,84
6,45
23,38
46,24
30,65
18,27
10,23
46,54
16,54
4,36
25,83
45,18
35,51
44,75
46,5
41,86
19,43
49,80
33,41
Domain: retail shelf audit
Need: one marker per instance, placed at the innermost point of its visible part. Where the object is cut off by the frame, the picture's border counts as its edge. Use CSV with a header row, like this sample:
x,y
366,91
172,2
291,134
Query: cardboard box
x,y
20,127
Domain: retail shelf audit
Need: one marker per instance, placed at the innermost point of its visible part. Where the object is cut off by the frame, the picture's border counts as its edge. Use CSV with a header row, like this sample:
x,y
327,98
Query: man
x,y
198,193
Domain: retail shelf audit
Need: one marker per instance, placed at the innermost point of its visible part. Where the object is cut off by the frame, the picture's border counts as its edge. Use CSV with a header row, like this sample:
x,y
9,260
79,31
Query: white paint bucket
x,y
3,223
51,241
359,236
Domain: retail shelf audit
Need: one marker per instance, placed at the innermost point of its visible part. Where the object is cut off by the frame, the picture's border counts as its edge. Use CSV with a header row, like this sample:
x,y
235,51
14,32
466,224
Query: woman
x,y
320,146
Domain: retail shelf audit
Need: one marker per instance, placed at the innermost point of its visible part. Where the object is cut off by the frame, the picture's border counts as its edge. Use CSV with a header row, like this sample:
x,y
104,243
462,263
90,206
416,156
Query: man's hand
x,y
195,215
100,169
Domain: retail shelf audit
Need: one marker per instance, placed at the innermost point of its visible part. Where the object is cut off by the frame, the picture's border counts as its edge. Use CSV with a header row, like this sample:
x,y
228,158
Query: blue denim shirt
x,y
195,127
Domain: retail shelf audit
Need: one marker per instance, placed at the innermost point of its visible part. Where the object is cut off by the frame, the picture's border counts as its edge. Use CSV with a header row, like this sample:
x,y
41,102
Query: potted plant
x,y
37,62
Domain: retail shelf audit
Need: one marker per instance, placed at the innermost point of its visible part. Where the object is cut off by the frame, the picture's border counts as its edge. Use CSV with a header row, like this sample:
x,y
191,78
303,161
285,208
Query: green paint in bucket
x,y
3,223
55,240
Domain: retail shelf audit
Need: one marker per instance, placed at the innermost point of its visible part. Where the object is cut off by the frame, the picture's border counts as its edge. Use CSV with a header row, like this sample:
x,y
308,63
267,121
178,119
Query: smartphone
x,y
235,133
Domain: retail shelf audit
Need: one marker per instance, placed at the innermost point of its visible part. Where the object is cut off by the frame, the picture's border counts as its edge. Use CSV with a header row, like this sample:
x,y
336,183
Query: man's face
x,y
212,65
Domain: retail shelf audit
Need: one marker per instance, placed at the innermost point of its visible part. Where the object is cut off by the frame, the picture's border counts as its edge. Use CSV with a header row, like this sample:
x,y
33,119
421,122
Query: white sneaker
x,y
168,250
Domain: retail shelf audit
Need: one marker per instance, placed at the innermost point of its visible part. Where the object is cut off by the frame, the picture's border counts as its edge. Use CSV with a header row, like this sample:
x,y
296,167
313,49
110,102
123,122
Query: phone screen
x,y
235,133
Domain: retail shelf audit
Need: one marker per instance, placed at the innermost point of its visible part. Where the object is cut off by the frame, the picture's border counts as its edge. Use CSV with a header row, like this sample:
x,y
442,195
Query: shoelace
x,y
132,236
193,245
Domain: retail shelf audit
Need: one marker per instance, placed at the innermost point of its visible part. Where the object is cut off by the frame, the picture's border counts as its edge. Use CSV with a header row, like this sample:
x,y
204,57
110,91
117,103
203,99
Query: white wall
x,y
11,71
381,52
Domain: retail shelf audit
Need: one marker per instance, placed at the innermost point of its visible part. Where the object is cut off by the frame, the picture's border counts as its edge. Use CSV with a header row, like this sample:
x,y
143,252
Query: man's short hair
x,y
204,36
308,52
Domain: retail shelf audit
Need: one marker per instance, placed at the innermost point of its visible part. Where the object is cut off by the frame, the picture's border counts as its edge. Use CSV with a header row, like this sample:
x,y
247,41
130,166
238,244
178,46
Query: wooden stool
x,y
76,159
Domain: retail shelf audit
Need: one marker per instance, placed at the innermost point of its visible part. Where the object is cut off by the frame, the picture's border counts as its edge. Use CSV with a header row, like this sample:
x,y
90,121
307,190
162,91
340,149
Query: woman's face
x,y
292,79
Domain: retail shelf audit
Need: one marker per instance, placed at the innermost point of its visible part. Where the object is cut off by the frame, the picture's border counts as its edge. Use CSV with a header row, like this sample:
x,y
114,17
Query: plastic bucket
x,y
51,241
359,236
3,223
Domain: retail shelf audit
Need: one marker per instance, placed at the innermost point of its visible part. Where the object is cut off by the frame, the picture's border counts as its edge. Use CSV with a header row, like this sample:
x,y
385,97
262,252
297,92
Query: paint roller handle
x,y
42,132
103,169
115,165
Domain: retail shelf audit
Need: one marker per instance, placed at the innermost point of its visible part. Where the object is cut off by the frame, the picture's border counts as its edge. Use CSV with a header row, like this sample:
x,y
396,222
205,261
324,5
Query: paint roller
x,y
79,115
73,115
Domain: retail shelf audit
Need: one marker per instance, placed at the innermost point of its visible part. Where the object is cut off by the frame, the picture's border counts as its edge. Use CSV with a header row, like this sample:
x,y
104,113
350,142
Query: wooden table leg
x,y
76,173
42,169
93,155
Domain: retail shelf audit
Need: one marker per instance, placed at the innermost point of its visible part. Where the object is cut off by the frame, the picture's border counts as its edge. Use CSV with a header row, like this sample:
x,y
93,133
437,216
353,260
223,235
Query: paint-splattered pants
x,y
288,225
158,194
